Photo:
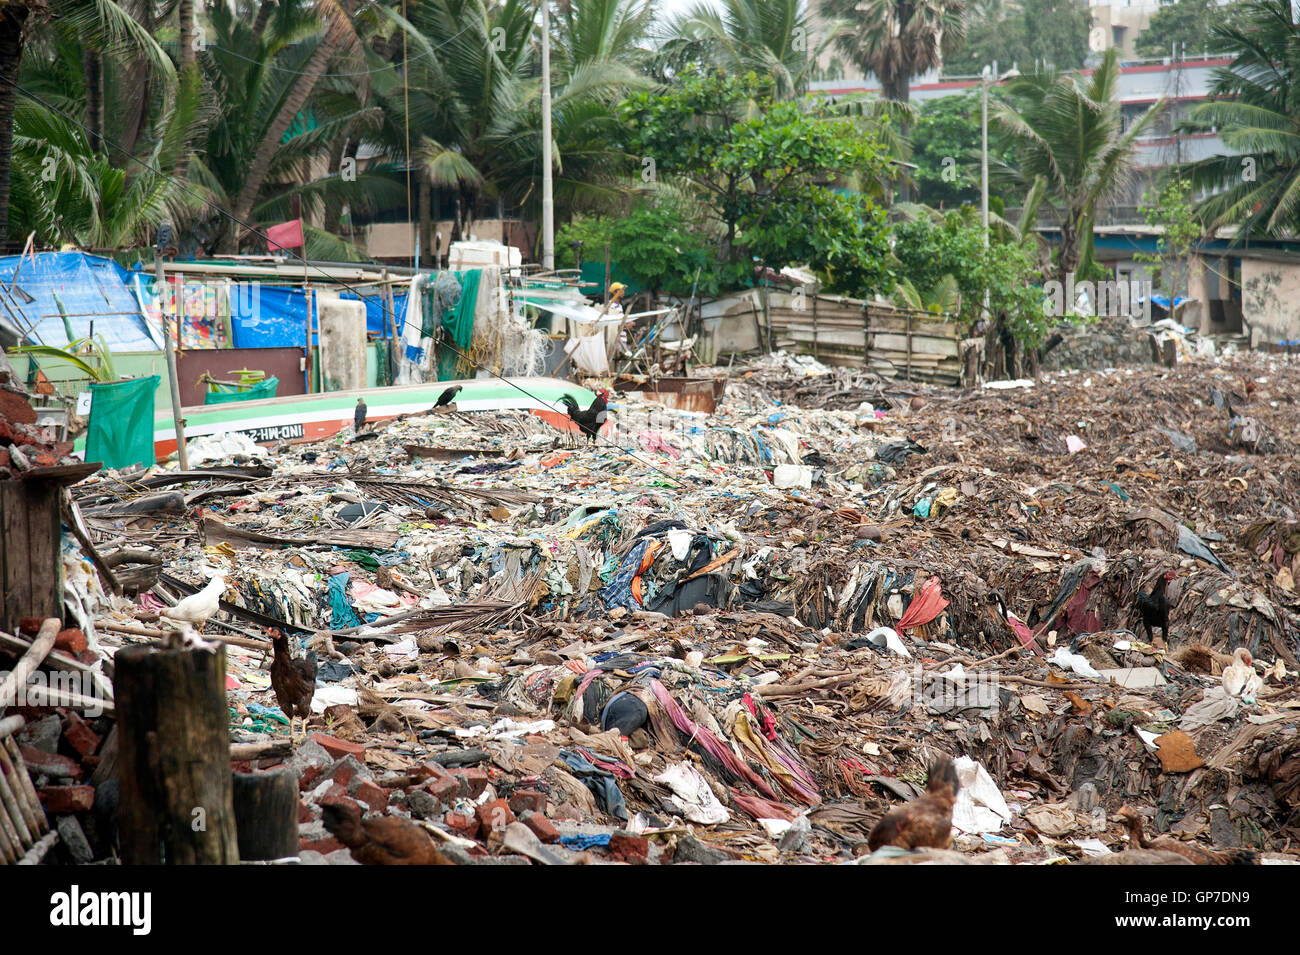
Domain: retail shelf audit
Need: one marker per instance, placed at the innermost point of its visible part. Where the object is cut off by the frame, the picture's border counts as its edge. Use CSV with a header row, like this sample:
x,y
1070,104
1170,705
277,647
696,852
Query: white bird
x,y
189,615
1240,678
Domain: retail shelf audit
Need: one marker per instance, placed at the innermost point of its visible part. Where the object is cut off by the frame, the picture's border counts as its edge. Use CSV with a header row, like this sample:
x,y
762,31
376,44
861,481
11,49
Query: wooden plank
x,y
45,526
16,544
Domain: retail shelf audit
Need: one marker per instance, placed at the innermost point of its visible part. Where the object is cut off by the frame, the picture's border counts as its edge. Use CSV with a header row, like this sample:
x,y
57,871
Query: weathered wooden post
x,y
174,757
266,814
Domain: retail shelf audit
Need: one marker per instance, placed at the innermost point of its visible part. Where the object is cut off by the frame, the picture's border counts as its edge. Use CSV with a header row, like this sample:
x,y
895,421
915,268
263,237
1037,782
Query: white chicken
x,y
189,615
1240,678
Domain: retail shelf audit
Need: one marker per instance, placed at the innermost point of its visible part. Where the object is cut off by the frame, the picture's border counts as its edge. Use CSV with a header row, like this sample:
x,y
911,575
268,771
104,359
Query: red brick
x,y
476,780
527,800
323,846
71,640
494,815
30,626
462,823
541,826
304,812
335,793
628,847
50,764
373,795
342,773
79,734
444,788
67,798
309,777
338,748
241,765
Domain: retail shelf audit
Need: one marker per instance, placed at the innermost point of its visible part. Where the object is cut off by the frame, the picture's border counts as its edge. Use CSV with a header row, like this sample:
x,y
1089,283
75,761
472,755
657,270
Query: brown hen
x,y
925,822
293,680
381,840
1195,854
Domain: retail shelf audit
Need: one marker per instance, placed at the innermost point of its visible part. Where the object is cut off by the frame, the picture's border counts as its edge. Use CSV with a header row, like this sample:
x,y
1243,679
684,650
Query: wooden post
x,y
174,758
909,345
160,280
266,814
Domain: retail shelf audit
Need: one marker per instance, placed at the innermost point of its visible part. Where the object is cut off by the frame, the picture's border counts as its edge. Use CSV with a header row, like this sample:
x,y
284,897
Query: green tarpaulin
x,y
225,393
121,422
458,324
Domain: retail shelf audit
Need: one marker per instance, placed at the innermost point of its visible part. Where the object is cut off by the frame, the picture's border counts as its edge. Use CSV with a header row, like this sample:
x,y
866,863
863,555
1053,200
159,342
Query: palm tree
x,y
1256,185
896,40
768,37
1069,131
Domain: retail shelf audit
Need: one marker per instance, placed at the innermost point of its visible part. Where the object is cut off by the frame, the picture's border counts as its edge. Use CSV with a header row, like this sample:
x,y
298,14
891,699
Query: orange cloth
x,y
925,606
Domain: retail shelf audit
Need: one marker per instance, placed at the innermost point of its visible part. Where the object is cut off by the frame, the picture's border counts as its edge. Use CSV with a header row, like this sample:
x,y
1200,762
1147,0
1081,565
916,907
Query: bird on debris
x,y
1154,608
1188,850
359,415
380,840
190,615
925,822
589,422
293,680
448,396
1240,678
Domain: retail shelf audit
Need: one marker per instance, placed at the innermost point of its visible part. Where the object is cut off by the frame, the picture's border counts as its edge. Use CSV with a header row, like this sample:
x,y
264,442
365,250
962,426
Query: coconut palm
x,y
896,40
1256,184
1068,129
769,37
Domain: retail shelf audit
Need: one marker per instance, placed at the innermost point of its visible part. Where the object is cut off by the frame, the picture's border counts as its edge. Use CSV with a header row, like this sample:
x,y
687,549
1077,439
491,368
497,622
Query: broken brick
x,y
462,823
323,846
71,640
495,814
338,748
42,763
476,780
541,827
629,848
309,776
372,794
58,799
527,800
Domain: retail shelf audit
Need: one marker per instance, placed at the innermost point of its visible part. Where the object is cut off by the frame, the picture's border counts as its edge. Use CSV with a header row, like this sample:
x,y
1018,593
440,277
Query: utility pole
x,y
160,289
548,186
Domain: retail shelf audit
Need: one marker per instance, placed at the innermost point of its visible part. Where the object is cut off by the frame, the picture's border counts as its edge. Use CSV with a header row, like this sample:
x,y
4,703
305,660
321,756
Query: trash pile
x,y
745,637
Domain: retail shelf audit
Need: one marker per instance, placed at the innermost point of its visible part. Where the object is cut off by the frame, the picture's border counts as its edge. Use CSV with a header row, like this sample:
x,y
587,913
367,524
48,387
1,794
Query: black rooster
x,y
448,396
359,415
589,422
1154,608
294,680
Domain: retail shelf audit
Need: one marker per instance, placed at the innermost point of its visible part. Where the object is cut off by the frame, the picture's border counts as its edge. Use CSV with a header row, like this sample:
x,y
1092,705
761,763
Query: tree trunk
x,y
263,16
92,65
293,104
13,17
185,14
175,798
266,814
426,221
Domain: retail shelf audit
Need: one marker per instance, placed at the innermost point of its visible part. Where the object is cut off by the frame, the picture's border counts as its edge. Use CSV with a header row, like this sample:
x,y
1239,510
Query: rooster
x,y
294,681
190,615
380,840
1188,850
359,415
925,822
448,396
1154,608
590,421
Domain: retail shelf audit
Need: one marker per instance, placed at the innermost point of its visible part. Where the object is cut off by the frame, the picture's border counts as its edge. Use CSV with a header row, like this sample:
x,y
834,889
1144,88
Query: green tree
x,y
1068,130
1170,210
764,170
1255,183
1054,32
946,146
1184,25
896,40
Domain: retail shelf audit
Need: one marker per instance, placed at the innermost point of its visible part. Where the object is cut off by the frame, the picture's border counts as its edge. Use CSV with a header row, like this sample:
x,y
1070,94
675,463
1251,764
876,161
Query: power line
x,y
305,263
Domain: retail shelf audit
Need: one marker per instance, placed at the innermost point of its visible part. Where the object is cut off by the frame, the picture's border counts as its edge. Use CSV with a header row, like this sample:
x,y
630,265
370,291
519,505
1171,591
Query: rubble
x,y
658,651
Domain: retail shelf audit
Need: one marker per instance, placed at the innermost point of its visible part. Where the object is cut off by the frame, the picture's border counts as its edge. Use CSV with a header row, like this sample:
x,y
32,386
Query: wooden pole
x,y
175,802
161,282
266,814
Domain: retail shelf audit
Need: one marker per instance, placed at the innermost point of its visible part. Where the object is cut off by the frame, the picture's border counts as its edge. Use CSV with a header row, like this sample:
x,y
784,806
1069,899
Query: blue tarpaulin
x,y
270,316
69,291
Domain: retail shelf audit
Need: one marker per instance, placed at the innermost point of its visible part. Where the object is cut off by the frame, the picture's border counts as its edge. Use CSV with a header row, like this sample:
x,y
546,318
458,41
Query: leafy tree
x,y
1054,32
930,252
1255,183
1068,130
1170,210
763,171
946,148
1185,25
897,39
